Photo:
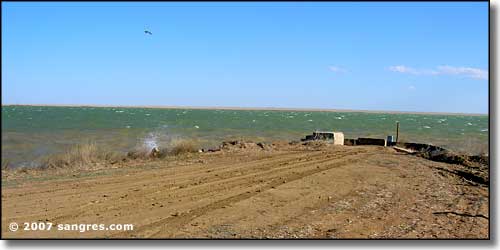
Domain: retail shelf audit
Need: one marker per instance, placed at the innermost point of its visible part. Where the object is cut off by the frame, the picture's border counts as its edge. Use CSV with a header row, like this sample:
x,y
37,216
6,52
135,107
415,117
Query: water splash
x,y
158,139
151,141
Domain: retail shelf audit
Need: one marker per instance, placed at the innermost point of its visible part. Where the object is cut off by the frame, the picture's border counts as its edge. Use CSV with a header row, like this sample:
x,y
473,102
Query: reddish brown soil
x,y
244,191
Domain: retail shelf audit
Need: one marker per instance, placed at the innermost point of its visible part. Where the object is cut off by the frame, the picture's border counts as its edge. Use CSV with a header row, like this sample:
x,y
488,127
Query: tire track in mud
x,y
255,169
262,171
223,187
118,182
185,173
177,221
180,178
263,168
250,170
90,181
256,176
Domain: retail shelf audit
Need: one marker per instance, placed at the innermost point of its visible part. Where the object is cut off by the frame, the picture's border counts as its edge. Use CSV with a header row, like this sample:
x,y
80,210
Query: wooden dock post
x,y
397,132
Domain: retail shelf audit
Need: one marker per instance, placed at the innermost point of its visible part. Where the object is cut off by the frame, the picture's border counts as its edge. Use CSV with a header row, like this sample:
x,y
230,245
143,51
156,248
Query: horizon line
x,y
250,108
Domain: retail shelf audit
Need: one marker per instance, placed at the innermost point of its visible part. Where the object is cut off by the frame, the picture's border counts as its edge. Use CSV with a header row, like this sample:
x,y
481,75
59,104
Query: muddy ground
x,y
251,191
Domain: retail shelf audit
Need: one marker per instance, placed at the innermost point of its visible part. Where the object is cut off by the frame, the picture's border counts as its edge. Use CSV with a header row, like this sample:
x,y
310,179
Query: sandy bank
x,y
246,191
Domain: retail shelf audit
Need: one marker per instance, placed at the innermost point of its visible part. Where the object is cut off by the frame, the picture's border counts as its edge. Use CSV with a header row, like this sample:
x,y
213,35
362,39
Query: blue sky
x,y
409,56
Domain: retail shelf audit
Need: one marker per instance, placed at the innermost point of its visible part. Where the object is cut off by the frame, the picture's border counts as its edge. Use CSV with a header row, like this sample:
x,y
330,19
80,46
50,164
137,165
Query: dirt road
x,y
295,192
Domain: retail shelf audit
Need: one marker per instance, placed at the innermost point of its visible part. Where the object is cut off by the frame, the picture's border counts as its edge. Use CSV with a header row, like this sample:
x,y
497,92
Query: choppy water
x,y
30,132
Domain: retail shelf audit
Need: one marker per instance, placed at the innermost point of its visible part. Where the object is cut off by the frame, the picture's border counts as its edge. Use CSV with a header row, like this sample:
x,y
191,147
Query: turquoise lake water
x,y
31,132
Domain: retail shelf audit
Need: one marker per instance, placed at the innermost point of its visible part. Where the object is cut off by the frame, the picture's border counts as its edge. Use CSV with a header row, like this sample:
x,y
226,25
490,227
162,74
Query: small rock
x,y
155,152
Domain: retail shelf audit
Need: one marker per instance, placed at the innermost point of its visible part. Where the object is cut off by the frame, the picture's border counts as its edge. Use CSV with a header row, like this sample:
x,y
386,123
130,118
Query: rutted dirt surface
x,y
289,192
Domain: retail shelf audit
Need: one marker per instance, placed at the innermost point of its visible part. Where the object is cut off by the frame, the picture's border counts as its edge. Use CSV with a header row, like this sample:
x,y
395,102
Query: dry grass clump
x,y
175,147
90,155
183,146
476,149
80,156
471,146
5,164
141,153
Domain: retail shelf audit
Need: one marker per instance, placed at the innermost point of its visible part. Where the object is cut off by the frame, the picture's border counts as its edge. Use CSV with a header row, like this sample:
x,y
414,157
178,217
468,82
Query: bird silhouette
x,y
148,32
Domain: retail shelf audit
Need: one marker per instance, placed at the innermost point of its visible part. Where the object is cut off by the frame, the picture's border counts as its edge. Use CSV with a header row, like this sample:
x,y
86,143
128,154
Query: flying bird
x,y
148,32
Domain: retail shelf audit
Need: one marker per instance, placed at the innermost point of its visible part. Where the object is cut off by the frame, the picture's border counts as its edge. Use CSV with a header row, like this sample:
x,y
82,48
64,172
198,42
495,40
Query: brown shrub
x,y
175,147
5,164
138,154
182,146
80,156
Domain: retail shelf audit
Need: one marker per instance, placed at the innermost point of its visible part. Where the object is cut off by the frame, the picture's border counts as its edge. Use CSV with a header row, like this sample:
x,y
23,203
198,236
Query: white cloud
x,y
465,71
337,69
411,88
474,73
403,69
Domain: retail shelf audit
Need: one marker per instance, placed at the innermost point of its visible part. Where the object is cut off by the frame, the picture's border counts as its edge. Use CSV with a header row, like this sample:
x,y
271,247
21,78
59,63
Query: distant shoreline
x,y
247,108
